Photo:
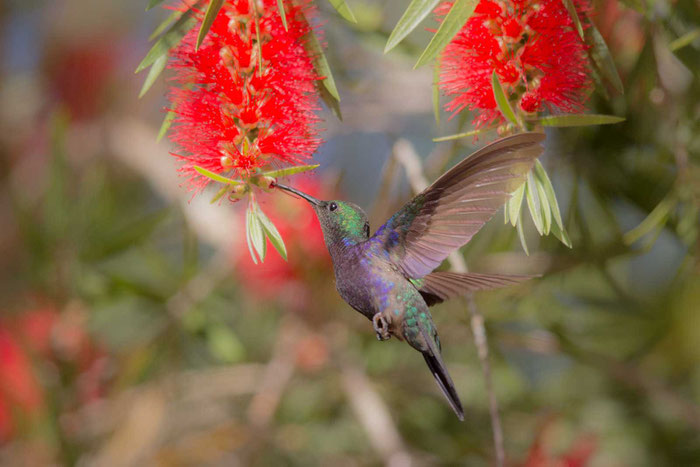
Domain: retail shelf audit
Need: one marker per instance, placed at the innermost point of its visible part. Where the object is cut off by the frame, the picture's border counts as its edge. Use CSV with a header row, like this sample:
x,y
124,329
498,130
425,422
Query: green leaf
x,y
561,234
454,21
502,99
153,73
209,17
167,121
579,120
219,195
290,171
515,203
415,13
223,344
569,5
283,14
655,220
436,91
172,17
216,177
601,58
153,4
249,221
169,40
541,174
521,234
544,204
255,228
533,203
272,233
462,135
344,10
326,87
685,39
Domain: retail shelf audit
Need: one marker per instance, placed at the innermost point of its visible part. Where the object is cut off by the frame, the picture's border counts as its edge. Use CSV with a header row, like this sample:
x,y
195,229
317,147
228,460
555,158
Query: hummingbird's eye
x,y
333,206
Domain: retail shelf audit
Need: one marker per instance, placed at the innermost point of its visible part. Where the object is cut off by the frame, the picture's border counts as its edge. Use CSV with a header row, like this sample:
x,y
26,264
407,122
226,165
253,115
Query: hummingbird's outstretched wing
x,y
439,286
448,213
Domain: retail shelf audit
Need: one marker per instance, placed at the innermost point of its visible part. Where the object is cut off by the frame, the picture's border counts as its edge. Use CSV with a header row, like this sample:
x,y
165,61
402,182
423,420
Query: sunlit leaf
x,y
561,234
272,233
155,71
172,17
684,40
579,120
521,234
283,14
249,221
455,19
600,55
344,10
515,203
571,9
533,203
415,13
257,234
502,99
290,171
541,174
544,205
209,17
462,135
169,40
216,177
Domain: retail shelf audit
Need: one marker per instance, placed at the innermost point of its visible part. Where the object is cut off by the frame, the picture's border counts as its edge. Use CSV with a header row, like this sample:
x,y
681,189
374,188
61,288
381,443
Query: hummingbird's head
x,y
343,224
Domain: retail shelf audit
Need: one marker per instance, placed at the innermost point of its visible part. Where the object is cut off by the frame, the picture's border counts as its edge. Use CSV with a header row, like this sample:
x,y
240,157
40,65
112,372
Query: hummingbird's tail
x,y
437,368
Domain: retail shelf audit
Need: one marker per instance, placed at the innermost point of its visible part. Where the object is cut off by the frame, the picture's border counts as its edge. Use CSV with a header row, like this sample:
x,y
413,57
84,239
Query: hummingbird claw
x,y
381,327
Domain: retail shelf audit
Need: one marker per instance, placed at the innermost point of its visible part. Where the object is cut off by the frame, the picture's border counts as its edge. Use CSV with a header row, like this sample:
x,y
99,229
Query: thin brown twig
x,y
406,155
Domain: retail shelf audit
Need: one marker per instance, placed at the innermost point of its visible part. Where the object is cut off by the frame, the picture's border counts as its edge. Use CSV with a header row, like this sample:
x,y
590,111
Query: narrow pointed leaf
x,y
569,5
502,99
656,218
685,39
216,177
169,40
155,71
461,135
521,234
283,14
544,205
172,17
290,171
533,203
219,195
455,19
257,234
313,47
541,174
600,55
515,203
344,10
579,120
167,122
209,17
249,221
415,13
272,233
561,234
153,4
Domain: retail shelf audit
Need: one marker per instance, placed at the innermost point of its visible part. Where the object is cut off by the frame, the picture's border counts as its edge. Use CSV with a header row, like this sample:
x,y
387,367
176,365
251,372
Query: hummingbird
x,y
388,277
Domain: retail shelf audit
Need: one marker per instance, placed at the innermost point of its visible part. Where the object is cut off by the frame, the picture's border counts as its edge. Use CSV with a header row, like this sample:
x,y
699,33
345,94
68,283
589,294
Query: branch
x,y
407,156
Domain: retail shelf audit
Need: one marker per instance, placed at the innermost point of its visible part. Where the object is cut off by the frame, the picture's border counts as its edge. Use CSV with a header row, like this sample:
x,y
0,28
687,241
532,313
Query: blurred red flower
x,y
240,104
534,48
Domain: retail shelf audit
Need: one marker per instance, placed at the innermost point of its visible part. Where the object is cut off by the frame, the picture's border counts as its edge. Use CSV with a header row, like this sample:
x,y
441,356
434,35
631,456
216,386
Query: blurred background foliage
x,y
134,329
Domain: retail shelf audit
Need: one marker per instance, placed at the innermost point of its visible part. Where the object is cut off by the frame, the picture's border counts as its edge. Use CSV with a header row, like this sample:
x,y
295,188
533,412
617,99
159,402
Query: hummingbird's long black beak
x,y
301,194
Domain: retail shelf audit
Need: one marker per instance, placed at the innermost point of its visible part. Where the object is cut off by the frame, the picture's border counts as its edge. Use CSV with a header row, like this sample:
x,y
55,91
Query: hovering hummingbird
x,y
389,278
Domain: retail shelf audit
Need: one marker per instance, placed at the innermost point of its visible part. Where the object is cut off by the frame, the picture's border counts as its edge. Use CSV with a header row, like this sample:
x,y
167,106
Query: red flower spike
x,y
534,48
238,110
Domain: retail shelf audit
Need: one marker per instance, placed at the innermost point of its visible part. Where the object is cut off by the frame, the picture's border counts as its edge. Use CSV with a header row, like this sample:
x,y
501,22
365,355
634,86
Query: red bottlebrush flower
x,y
534,48
243,104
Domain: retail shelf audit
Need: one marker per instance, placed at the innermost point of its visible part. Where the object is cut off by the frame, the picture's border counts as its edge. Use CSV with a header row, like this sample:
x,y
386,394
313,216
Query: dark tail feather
x,y
437,368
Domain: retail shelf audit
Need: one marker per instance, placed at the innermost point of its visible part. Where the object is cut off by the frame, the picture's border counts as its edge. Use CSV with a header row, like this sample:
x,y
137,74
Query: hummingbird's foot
x,y
381,327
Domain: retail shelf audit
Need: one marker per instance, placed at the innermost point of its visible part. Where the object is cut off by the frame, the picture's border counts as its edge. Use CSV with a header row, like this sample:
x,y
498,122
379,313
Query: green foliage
x,y
454,20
